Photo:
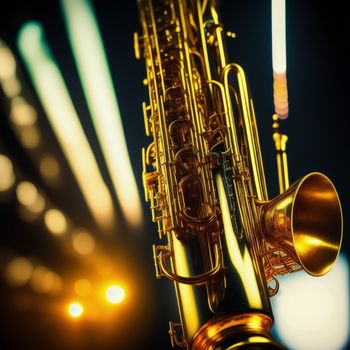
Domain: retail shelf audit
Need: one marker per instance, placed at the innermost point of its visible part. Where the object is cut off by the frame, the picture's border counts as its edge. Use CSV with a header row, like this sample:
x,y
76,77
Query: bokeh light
x,y
18,271
75,310
7,178
30,137
42,280
27,193
22,114
115,294
49,167
11,87
38,206
83,242
8,63
55,221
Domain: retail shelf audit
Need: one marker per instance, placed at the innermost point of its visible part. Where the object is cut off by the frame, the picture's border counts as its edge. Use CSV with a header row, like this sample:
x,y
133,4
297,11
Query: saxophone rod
x,y
280,140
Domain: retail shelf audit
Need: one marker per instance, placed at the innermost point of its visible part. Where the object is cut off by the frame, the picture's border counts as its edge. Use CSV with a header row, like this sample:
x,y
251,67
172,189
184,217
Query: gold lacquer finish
x,y
204,179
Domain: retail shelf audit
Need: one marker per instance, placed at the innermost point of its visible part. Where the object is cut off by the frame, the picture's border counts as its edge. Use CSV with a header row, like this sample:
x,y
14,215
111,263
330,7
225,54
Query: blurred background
x,y
76,267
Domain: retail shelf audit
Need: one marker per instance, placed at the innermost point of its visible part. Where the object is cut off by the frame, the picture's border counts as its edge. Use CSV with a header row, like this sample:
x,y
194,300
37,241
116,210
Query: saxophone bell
x,y
306,223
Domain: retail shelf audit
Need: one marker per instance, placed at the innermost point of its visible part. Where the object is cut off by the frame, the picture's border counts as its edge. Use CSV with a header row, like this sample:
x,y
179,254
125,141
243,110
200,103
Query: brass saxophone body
x,y
204,178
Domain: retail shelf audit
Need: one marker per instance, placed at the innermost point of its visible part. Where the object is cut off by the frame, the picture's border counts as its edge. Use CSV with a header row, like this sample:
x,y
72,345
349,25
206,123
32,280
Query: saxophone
x,y
203,176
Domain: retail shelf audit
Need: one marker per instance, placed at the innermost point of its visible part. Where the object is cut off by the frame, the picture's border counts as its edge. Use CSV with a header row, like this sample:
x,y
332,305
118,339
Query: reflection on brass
x,y
223,241
249,331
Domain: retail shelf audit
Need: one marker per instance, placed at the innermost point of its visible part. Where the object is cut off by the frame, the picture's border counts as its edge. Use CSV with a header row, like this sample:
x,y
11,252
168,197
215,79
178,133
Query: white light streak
x,y
280,91
279,36
91,61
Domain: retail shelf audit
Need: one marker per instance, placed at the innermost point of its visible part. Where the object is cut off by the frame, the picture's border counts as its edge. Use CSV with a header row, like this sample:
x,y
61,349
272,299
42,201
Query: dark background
x,y
318,38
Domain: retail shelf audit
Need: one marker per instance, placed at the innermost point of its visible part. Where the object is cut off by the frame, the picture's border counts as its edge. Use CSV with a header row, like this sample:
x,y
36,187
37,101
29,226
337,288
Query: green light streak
x,y
60,111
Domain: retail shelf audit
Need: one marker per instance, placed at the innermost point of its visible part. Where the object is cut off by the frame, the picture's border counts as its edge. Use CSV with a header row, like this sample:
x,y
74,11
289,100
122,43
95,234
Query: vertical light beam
x,y
279,61
91,61
60,111
278,8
